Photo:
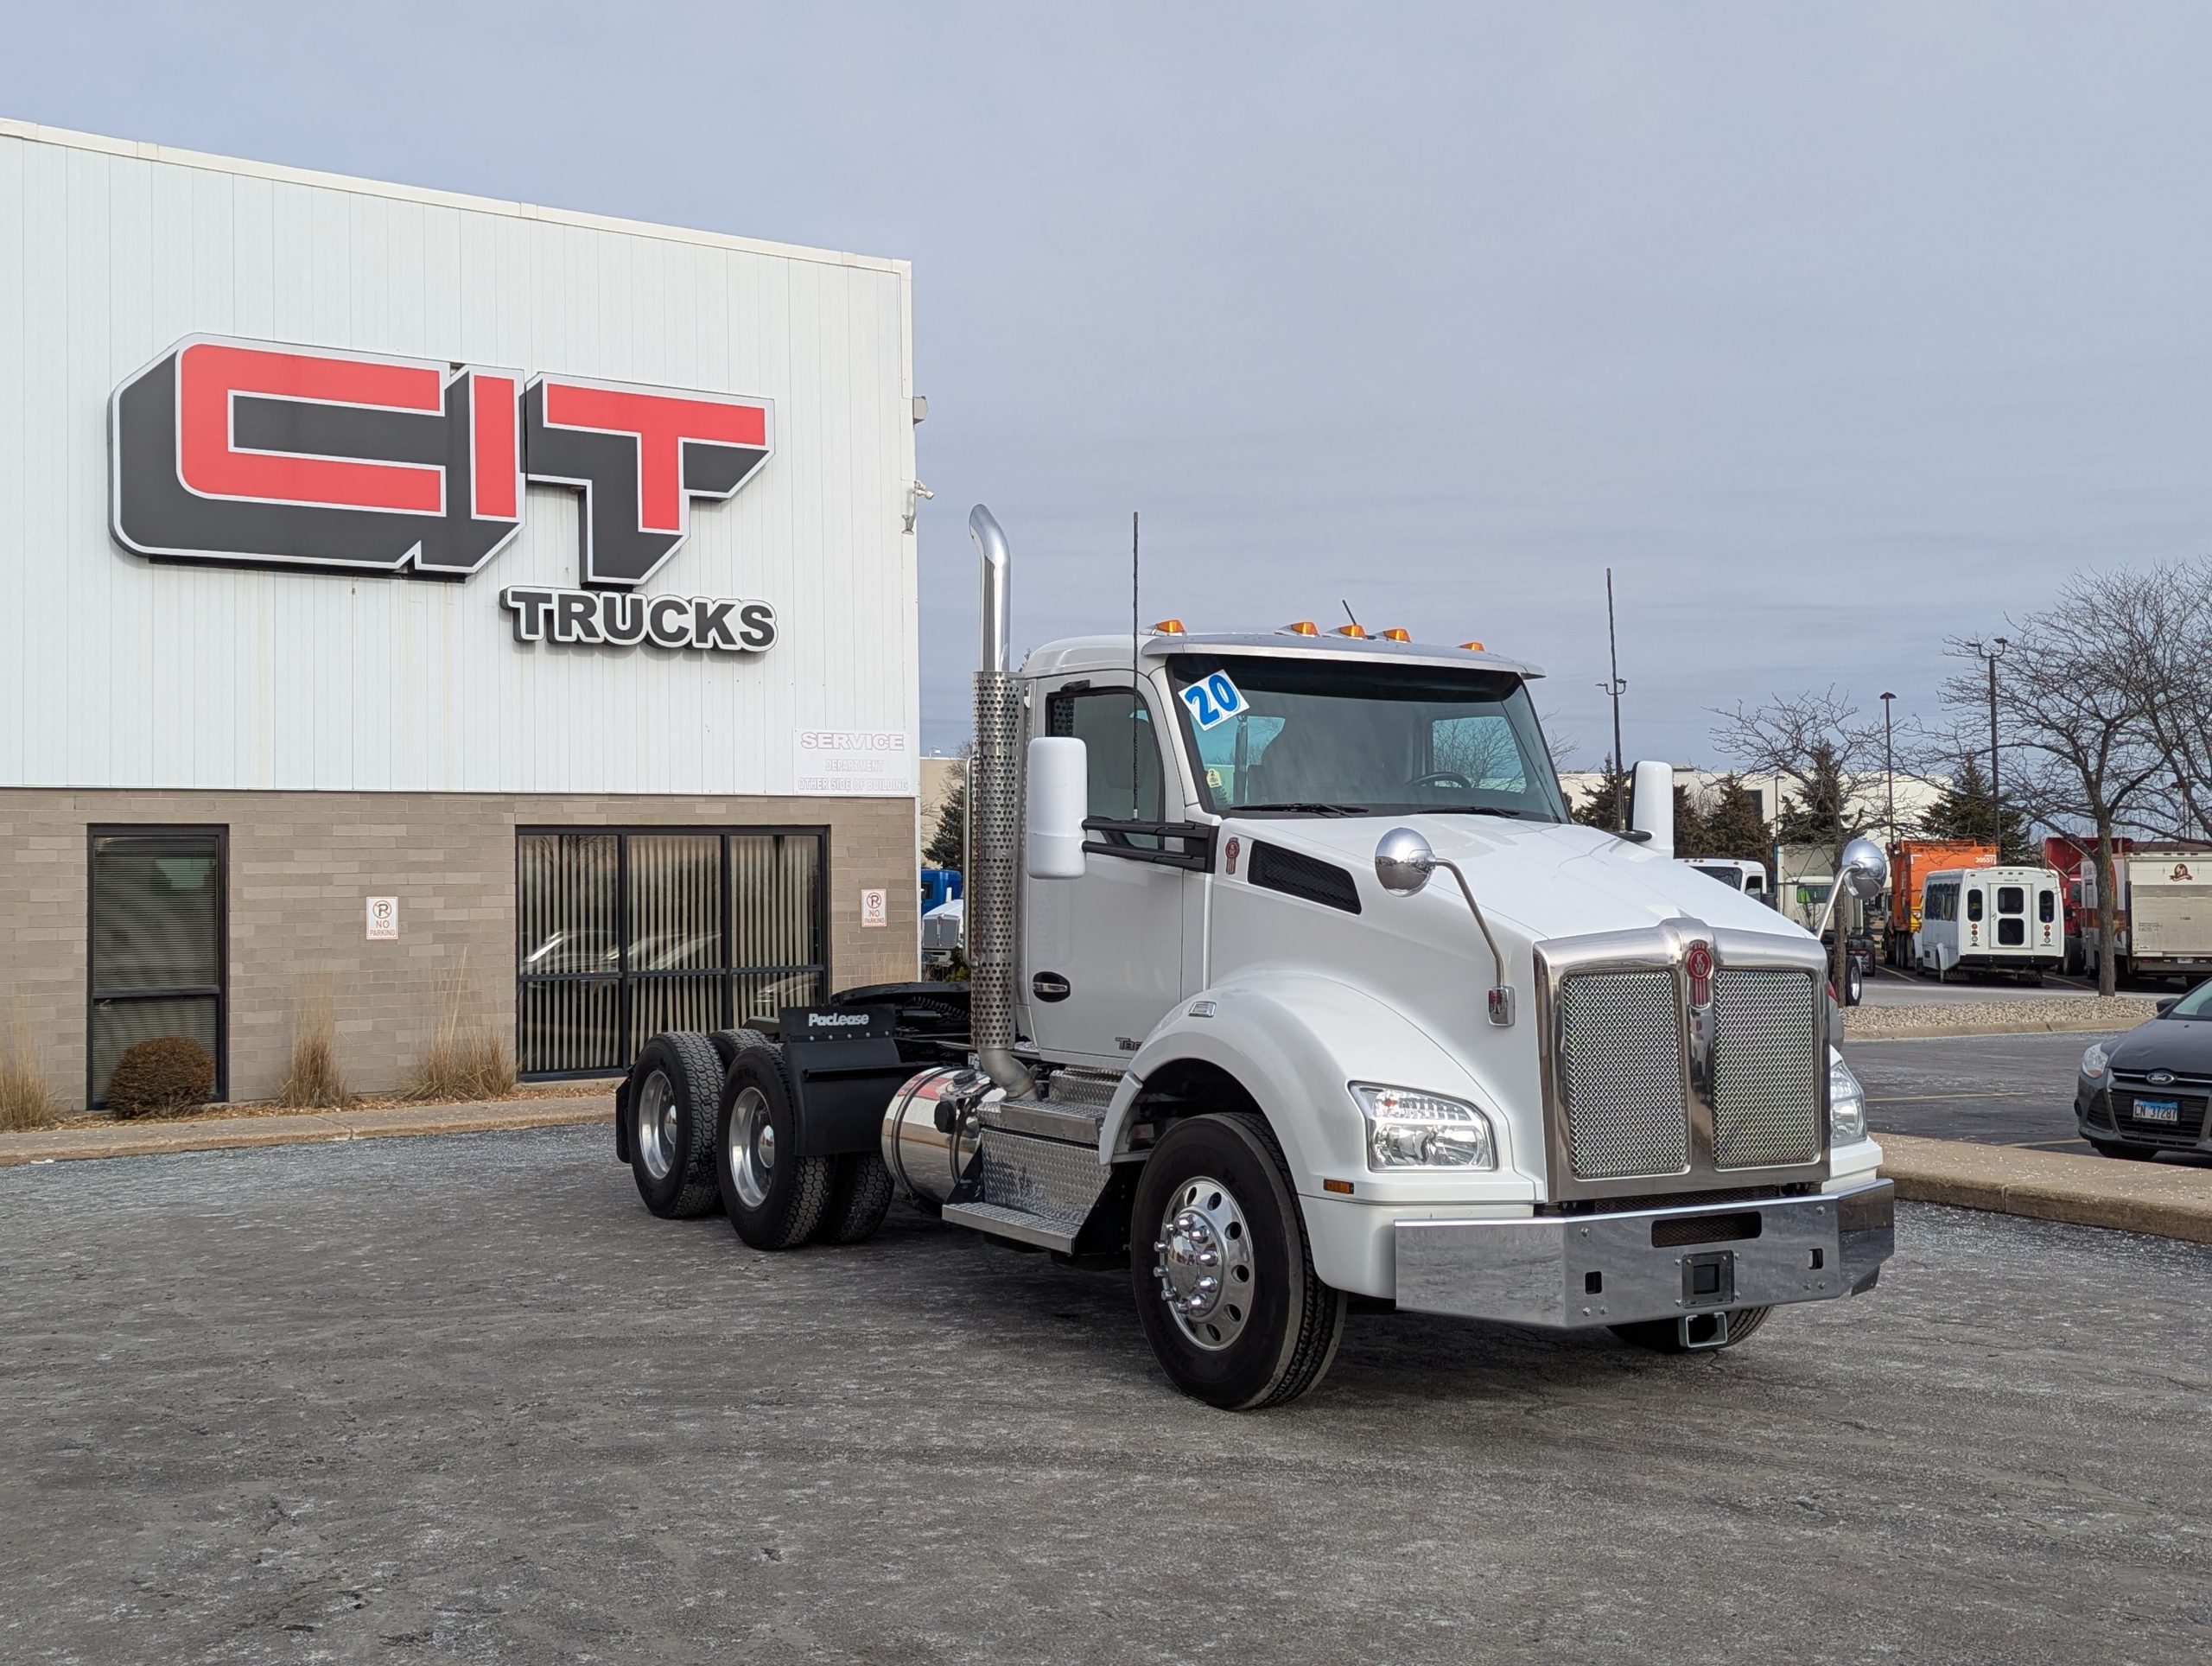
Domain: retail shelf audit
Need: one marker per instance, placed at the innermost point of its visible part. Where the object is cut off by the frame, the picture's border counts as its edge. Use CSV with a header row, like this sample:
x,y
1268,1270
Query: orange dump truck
x,y
1911,861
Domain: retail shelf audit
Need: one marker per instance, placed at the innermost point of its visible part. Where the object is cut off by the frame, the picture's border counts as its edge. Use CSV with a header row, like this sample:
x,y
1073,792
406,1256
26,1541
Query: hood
x,y
1541,878
2182,1046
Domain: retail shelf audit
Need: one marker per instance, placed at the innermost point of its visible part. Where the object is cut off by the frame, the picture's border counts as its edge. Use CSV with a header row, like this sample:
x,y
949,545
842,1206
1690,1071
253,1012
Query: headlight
x,y
1846,1104
2093,1061
1407,1128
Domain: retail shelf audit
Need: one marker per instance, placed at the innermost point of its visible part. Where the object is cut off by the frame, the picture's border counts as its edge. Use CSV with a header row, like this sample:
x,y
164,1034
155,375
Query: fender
x,y
1294,1040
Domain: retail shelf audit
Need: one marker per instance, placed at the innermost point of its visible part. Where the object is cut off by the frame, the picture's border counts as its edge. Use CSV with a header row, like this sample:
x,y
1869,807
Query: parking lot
x,y
462,1398
1993,1089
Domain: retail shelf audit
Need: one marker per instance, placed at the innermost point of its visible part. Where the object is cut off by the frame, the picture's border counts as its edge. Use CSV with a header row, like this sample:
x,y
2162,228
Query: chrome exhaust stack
x,y
994,823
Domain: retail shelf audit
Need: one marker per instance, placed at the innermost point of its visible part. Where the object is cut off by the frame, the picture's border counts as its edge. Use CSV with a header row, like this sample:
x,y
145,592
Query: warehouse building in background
x,y
433,606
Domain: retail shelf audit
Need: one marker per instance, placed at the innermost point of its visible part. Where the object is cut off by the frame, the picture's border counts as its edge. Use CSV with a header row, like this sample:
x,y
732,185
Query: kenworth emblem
x,y
259,455
1697,962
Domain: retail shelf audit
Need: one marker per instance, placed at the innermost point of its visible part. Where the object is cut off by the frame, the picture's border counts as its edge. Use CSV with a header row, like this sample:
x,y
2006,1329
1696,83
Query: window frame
x,y
623,978
221,990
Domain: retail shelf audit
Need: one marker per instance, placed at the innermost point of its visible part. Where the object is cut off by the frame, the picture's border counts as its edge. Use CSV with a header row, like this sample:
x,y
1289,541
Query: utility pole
x,y
1615,687
1992,653
1889,767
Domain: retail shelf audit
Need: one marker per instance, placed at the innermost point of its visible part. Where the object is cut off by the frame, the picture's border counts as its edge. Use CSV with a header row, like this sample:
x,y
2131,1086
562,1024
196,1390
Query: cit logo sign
x,y
264,455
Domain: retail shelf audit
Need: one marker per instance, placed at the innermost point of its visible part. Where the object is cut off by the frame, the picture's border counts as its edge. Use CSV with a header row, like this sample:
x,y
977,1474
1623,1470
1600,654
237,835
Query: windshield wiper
x,y
1310,809
1482,810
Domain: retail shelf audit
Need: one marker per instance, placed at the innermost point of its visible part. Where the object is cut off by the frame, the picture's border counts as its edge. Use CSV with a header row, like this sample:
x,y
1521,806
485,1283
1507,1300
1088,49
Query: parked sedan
x,y
2148,1090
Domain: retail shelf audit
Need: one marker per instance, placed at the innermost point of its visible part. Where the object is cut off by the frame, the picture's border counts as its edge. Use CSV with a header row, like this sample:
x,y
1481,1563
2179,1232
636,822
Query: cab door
x,y
1103,955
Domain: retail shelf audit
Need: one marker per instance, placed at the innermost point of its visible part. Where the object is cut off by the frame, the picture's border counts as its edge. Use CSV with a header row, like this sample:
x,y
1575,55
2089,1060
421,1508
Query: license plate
x,y
2158,1111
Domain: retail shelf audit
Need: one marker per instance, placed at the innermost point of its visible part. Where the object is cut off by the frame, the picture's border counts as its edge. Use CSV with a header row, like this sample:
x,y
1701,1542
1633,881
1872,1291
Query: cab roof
x,y
1096,653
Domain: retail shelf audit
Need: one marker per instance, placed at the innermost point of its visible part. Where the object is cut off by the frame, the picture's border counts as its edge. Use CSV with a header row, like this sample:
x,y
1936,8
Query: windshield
x,y
1322,737
2197,1003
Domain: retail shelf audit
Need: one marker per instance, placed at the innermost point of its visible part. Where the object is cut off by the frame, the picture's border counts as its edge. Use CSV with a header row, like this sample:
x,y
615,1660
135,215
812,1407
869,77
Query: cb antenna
x,y
1348,615
1615,686
1136,682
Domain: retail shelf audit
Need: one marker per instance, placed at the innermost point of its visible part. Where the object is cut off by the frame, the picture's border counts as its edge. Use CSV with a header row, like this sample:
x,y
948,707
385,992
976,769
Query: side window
x,y
2047,906
1122,750
1973,904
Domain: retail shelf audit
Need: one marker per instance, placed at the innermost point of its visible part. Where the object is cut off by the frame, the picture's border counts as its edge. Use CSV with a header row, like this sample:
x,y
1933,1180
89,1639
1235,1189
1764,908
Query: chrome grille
x,y
1766,1060
1620,1072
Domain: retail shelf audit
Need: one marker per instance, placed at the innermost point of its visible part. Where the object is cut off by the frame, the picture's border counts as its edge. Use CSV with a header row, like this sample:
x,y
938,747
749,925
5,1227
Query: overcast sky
x,y
1832,329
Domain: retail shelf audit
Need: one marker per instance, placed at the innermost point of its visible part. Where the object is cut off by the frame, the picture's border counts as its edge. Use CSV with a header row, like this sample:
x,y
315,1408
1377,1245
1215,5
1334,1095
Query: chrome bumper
x,y
1570,1270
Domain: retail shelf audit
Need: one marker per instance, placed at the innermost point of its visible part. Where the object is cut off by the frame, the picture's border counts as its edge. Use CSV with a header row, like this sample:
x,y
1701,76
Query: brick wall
x,y
301,864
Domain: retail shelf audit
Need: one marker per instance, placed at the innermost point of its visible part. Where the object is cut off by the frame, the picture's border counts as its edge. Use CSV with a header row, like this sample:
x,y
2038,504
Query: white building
x,y
431,602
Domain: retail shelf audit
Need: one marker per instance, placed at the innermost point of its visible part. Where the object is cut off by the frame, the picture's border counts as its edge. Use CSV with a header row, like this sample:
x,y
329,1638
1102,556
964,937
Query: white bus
x,y
1748,877
1990,920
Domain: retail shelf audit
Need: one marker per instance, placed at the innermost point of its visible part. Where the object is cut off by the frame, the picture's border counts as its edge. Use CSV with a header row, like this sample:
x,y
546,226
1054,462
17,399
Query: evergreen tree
x,y
1820,812
1964,813
1732,826
1608,803
948,846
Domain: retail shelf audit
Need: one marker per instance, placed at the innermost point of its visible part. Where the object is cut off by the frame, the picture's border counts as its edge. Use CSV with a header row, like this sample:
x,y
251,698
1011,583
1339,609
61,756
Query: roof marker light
x,y
1303,627
1351,631
1475,647
1168,627
1397,633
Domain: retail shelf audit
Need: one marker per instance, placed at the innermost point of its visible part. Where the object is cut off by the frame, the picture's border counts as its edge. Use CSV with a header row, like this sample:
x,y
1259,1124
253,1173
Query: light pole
x,y
1992,653
1616,686
1890,767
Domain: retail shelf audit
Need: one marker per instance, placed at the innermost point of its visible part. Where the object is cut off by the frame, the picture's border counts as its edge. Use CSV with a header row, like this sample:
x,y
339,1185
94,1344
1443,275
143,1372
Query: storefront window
x,y
625,934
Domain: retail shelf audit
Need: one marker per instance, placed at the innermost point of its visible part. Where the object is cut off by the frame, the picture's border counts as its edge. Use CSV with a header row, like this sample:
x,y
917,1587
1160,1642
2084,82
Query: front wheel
x,y
1222,1271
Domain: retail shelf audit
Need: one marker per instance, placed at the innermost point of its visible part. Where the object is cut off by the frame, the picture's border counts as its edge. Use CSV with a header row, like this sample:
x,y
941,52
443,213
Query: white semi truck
x,y
1292,982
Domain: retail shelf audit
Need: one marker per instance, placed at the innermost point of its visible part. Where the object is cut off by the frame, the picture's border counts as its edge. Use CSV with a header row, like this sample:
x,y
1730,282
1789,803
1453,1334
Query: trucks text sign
x,y
261,454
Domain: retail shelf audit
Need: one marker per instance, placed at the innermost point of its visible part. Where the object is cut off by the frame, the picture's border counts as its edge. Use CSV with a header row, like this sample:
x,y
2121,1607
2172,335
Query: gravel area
x,y
2119,1012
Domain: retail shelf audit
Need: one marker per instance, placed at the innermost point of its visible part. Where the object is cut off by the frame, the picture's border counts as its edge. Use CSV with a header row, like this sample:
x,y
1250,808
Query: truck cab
x,y
1294,982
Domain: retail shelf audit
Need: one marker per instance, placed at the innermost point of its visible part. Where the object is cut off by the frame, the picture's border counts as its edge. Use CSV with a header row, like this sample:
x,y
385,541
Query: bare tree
x,y
2070,704
2156,633
1830,756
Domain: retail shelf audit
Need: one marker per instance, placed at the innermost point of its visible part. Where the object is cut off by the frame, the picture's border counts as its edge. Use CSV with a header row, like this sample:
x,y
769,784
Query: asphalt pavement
x,y
461,1398
1993,1090
1887,987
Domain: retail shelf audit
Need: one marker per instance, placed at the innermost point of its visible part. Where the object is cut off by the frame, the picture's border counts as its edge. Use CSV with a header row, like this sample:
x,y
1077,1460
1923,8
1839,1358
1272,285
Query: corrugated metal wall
x,y
123,673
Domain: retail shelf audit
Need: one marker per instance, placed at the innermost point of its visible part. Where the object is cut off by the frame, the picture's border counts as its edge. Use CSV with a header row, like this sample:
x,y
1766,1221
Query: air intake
x,y
1295,875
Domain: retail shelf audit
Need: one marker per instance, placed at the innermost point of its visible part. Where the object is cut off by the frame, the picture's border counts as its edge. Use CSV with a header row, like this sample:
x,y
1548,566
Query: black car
x,y
2148,1090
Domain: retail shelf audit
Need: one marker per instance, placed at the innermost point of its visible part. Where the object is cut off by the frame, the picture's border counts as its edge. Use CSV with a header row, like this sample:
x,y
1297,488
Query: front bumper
x,y
1574,1270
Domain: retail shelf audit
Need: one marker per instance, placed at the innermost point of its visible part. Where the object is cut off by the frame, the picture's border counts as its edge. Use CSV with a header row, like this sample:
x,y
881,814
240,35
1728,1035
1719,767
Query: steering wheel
x,y
1442,778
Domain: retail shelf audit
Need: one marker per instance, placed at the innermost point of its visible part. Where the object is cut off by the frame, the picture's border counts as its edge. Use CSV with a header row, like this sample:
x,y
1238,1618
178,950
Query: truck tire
x,y
774,1203
859,1197
1665,1335
673,1091
1262,1328
730,1043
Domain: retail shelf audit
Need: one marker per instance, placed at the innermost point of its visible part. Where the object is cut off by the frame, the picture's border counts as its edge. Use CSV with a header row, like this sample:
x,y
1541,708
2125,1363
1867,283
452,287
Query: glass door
x,y
158,951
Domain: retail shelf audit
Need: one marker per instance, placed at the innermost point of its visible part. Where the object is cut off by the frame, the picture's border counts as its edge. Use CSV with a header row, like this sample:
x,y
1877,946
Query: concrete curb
x,y
224,1133
2104,1028
2168,1202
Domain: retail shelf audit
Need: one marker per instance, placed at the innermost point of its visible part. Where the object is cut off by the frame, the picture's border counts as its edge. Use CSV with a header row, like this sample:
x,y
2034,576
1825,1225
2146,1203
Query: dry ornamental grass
x,y
468,1060
26,1101
314,1081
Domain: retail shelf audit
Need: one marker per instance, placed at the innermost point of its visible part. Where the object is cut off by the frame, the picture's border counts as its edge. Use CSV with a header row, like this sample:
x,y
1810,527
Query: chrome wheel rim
x,y
1202,1258
752,1148
656,1125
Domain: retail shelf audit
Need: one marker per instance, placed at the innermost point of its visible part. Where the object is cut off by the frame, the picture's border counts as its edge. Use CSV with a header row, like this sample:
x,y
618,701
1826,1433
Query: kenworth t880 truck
x,y
1292,982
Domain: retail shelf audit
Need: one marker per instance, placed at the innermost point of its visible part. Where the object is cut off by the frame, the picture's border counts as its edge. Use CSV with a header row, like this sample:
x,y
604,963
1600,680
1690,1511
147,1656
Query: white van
x,y
1748,877
1992,920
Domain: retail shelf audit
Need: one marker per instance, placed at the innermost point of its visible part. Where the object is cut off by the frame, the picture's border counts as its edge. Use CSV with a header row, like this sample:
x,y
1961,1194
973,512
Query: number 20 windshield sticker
x,y
1213,701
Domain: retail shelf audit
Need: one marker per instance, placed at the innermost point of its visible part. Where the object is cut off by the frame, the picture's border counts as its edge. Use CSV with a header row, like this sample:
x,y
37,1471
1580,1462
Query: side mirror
x,y
1653,808
1866,869
1404,861
2167,1004
1059,798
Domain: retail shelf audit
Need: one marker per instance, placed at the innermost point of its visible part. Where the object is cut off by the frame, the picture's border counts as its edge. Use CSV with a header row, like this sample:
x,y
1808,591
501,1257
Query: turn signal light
x,y
1476,647
1303,627
1396,633
1168,627
1351,630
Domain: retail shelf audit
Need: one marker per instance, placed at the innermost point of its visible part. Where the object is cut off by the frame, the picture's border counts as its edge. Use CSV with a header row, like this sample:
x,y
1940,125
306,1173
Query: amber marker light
x,y
1168,627
1351,631
1472,647
1303,627
1397,633
1342,1187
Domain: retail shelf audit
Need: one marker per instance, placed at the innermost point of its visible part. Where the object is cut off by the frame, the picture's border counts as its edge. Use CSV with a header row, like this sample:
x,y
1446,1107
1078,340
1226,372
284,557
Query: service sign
x,y
261,454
